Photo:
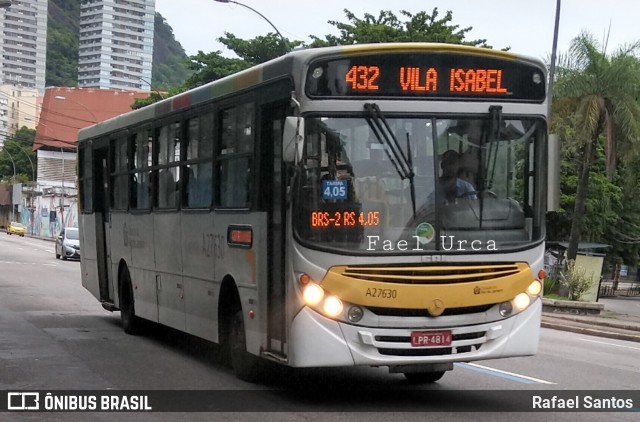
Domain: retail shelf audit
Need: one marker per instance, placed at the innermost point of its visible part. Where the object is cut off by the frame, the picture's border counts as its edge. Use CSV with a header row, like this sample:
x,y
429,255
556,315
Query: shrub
x,y
576,280
550,285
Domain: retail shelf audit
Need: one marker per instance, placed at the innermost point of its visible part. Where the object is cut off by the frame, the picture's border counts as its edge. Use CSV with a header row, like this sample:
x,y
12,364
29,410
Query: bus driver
x,y
451,186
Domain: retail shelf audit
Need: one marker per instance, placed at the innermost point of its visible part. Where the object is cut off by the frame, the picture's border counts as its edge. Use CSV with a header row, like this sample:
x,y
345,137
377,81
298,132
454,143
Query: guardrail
x,y
607,289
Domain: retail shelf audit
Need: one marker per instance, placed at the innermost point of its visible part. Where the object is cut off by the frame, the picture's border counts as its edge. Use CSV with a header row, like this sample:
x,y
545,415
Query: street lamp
x,y
63,98
554,48
62,196
151,87
33,170
33,178
284,40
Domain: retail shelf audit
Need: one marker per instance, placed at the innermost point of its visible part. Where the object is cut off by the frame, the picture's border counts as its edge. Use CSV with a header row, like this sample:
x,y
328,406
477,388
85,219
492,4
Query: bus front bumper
x,y
317,341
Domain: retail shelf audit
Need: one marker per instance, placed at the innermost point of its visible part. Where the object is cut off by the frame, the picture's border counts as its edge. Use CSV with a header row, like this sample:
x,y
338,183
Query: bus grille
x,y
431,274
393,312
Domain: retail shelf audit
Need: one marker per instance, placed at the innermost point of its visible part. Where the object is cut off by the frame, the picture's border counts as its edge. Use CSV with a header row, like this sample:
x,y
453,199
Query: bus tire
x,y
424,377
130,322
245,365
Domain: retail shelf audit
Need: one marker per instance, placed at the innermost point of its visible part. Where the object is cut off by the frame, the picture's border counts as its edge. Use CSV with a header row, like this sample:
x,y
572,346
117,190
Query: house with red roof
x,y
64,112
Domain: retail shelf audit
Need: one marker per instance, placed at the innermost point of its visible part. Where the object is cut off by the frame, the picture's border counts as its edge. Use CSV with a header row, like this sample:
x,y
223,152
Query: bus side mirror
x,y
292,139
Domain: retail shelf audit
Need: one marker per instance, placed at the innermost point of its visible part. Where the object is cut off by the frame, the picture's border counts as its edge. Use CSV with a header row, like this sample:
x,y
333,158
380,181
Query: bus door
x,y
273,200
102,211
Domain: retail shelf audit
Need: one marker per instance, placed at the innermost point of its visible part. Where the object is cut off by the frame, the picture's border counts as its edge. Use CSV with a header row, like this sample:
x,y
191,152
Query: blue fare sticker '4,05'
x,y
334,189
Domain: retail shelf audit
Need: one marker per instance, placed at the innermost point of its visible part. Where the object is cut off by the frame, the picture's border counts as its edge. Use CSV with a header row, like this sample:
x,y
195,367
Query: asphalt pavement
x,y
620,319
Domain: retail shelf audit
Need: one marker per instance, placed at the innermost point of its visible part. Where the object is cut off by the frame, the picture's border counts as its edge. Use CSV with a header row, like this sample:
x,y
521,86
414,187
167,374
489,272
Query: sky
x,y
524,25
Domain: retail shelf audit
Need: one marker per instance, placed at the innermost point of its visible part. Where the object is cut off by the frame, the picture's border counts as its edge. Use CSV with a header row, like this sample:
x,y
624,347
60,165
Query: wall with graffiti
x,y
47,219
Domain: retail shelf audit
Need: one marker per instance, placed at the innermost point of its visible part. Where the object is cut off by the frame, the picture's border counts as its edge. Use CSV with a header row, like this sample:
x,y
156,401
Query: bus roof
x,y
280,67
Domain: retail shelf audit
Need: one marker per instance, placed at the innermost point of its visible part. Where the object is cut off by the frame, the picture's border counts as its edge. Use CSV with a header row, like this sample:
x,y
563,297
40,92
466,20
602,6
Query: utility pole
x,y
62,196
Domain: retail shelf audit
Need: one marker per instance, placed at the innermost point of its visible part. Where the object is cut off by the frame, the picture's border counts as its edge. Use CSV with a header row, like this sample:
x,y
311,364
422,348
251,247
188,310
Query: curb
x,y
600,322
592,331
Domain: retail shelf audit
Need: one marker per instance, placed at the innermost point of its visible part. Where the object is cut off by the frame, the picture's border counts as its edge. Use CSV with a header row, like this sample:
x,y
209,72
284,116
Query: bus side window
x,y
234,163
199,147
168,156
141,182
199,185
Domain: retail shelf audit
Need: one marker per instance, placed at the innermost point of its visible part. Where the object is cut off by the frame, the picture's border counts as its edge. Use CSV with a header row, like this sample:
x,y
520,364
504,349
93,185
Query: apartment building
x,y
23,41
116,44
18,107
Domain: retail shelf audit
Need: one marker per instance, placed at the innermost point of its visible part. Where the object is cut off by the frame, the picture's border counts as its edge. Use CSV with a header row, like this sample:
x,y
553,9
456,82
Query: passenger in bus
x,y
166,189
450,185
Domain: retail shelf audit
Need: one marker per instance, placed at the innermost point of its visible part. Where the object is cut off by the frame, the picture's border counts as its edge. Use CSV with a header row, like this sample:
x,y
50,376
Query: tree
x,y
18,147
601,91
604,206
212,66
259,49
625,234
387,27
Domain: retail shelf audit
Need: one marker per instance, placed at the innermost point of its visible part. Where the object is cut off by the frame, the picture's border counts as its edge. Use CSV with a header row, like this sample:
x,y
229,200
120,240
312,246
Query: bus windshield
x,y
409,184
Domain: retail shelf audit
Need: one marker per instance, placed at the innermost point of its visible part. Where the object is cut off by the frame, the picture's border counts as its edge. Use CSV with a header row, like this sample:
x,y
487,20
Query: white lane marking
x,y
510,374
611,344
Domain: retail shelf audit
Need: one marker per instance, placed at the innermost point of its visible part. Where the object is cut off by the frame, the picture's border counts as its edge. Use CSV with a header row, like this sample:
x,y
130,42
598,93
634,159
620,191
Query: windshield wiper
x,y
383,133
496,123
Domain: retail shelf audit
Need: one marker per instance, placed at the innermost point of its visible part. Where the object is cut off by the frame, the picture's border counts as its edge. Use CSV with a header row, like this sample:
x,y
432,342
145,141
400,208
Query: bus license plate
x,y
431,338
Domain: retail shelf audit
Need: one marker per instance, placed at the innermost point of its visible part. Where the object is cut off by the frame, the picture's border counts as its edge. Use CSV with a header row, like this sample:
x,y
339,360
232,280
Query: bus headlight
x,y
332,306
521,301
312,294
315,297
534,288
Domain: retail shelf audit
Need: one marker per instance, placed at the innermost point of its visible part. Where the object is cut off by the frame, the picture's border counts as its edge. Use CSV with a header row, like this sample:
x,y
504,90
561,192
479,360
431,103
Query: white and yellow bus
x,y
300,211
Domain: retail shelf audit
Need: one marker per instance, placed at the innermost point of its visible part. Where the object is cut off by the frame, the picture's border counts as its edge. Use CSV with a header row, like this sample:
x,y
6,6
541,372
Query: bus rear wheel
x,y
130,322
245,365
424,377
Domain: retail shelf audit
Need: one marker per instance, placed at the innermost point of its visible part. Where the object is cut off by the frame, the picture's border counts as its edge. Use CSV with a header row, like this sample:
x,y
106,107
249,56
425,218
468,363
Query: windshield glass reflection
x,y
428,184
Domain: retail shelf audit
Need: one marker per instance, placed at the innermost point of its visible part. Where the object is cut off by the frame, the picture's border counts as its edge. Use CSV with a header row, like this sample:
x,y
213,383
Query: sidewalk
x,y
609,324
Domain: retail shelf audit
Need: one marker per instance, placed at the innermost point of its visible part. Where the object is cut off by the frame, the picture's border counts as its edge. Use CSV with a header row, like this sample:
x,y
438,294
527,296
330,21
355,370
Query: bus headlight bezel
x,y
522,300
315,297
355,313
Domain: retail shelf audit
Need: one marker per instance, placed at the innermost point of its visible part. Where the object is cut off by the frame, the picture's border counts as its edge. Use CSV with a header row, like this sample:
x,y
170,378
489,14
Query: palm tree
x,y
602,92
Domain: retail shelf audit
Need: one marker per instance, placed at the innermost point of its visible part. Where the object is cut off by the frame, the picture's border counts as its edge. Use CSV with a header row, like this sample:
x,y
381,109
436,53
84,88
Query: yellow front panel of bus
x,y
423,287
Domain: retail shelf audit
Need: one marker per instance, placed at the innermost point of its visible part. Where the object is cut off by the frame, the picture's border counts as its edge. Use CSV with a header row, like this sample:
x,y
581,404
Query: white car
x,y
68,244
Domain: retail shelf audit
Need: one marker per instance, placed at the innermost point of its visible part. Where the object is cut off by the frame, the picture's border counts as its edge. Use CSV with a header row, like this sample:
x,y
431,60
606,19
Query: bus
x,y
299,211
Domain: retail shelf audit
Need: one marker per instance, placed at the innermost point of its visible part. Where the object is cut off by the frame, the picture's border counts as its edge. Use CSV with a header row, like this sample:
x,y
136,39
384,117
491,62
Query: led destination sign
x,y
437,75
335,219
415,79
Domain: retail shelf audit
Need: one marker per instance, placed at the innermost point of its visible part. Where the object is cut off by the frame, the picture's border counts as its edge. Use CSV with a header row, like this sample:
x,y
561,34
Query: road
x,y
55,336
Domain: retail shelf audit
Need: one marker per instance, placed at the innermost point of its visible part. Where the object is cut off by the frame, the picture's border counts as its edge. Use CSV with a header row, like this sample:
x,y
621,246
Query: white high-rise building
x,y
23,42
116,44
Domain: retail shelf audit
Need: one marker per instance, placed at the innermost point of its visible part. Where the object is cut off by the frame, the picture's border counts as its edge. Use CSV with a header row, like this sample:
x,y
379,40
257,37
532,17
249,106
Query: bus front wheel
x,y
424,377
245,365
